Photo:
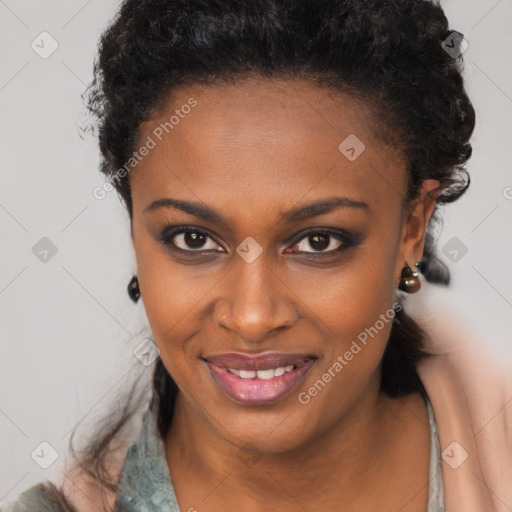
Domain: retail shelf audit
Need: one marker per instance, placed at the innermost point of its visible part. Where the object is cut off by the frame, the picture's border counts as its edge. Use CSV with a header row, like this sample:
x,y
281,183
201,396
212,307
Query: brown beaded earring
x,y
133,289
410,279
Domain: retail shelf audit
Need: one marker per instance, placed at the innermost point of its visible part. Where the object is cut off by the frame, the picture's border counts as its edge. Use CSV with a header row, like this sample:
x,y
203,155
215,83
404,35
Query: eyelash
x,y
348,240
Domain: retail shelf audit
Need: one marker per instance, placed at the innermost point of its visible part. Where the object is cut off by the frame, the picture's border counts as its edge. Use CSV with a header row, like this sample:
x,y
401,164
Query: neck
x,y
359,444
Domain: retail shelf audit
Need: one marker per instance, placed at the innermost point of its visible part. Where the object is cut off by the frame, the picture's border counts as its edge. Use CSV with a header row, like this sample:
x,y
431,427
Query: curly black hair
x,y
387,52
390,54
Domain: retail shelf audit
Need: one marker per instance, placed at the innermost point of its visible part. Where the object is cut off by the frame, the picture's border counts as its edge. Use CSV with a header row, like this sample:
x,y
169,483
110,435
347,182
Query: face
x,y
269,242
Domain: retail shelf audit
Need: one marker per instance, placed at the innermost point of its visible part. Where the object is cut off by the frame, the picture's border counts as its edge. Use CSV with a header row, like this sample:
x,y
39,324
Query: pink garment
x,y
470,388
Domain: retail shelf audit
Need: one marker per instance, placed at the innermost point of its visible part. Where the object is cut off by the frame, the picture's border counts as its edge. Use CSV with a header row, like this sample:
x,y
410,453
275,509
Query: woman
x,y
281,163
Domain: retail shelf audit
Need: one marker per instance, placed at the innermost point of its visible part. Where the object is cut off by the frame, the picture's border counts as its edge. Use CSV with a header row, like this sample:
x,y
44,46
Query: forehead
x,y
264,139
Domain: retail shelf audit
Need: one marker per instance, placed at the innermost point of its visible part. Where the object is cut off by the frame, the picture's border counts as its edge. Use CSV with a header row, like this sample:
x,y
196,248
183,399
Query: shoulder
x,y
469,383
38,498
76,492
464,359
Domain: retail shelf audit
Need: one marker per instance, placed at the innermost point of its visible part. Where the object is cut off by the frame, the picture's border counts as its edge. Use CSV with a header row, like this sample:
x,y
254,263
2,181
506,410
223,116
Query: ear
x,y
414,227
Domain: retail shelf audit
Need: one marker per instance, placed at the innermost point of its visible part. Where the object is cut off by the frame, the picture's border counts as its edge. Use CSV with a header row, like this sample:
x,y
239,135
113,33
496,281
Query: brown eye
x,y
194,240
319,242
189,240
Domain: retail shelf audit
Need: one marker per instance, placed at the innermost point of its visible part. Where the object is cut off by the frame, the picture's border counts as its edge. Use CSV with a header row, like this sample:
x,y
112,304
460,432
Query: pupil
x,y
319,242
194,240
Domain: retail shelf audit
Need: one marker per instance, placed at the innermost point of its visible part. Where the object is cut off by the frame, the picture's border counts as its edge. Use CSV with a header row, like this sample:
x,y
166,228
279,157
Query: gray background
x,y
68,330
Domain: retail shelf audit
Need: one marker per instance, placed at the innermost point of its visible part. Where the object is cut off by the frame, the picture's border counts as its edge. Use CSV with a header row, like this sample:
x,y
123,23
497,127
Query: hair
x,y
386,53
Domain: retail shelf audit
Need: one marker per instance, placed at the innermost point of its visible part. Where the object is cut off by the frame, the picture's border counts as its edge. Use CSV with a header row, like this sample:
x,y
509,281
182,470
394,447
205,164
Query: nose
x,y
255,302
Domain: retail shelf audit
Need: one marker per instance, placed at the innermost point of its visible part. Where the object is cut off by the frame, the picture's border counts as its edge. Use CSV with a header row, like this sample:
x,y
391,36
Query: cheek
x,y
170,292
353,308
355,314
349,298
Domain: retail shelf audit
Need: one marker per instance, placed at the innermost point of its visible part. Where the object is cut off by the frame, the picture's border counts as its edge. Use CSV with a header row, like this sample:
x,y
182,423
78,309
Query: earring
x,y
133,289
410,279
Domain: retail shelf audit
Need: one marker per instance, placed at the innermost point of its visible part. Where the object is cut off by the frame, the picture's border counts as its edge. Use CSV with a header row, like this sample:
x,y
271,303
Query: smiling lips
x,y
260,379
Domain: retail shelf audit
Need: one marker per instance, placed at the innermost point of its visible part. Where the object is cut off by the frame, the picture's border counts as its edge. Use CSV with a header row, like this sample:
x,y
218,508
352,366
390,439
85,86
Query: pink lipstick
x,y
258,379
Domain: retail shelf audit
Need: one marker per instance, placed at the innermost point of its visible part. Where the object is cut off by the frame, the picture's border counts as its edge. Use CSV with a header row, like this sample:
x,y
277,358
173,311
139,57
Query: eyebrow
x,y
294,214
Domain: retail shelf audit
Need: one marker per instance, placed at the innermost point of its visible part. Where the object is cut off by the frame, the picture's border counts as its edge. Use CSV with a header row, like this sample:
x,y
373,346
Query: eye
x,y
322,242
189,239
315,241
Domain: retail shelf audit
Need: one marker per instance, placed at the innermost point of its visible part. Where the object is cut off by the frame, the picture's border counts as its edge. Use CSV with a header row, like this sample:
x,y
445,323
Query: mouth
x,y
258,380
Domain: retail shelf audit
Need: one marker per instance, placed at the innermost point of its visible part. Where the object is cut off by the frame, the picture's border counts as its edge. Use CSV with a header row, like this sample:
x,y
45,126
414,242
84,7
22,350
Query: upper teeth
x,y
262,374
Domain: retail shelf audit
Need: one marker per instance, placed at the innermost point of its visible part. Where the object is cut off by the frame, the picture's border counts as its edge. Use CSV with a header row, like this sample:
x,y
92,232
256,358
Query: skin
x,y
252,151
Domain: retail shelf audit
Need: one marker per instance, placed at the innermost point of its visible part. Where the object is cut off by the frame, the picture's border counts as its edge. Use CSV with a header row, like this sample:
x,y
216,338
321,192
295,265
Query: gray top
x,y
145,484
436,488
